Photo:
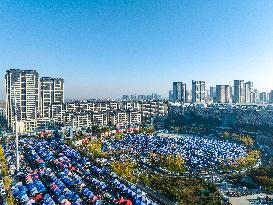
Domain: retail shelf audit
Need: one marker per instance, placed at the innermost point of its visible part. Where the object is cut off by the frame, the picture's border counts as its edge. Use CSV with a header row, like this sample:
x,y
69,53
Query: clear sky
x,y
109,48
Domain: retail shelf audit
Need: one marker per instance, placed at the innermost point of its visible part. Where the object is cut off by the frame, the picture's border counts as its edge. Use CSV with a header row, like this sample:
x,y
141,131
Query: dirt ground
x,y
246,200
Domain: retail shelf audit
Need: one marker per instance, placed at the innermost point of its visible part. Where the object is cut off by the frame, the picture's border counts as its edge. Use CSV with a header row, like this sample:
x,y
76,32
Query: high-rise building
x,y
133,97
52,91
155,96
212,93
141,97
262,97
255,96
125,97
188,95
179,91
247,93
171,95
198,91
222,93
271,97
22,88
248,90
239,91
267,97
207,94
231,91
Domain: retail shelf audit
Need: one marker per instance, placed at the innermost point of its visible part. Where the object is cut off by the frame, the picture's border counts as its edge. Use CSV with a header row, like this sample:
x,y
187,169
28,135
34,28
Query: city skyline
x,y
107,49
154,95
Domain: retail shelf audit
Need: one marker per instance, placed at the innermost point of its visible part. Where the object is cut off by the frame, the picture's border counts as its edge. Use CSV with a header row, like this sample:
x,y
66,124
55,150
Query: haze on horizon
x,y
108,48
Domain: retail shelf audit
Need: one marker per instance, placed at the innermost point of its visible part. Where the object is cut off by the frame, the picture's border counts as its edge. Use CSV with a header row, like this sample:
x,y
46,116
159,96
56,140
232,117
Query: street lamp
x,y
16,133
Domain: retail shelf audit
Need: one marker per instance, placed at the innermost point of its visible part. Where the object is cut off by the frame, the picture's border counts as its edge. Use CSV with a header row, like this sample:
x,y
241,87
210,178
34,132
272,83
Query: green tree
x,y
7,181
125,170
94,147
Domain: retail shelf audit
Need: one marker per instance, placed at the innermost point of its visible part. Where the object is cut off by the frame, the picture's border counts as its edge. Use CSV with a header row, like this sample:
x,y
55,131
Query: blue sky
x,y
109,48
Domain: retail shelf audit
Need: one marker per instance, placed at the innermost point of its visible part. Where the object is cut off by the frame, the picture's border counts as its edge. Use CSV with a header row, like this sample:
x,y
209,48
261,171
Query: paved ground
x,y
246,200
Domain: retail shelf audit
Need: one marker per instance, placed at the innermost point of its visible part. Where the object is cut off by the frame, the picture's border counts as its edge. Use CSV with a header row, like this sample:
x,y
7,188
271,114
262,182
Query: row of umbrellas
x,y
55,173
203,152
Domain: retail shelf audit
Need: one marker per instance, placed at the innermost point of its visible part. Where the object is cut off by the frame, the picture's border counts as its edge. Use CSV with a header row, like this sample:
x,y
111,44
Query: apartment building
x,y
179,92
22,90
52,91
223,94
198,91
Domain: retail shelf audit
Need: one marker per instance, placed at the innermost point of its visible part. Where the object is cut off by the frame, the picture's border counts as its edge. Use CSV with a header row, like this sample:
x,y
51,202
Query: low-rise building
x,y
134,118
119,118
100,119
56,112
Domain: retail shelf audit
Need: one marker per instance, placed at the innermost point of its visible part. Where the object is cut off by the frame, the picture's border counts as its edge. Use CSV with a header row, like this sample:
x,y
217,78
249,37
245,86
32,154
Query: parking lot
x,y
54,173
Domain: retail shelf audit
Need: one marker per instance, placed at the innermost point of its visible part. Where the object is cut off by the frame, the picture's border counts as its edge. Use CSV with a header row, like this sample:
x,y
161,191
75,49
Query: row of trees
x,y
5,175
95,147
244,162
263,176
125,169
173,163
245,139
148,130
185,190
